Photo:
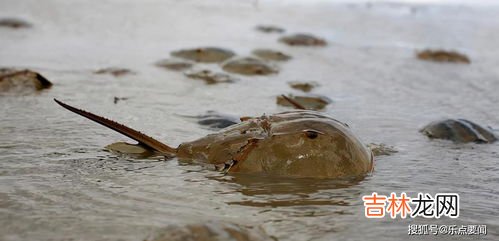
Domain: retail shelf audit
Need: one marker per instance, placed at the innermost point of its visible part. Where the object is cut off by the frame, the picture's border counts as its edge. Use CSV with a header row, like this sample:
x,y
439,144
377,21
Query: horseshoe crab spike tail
x,y
294,103
127,131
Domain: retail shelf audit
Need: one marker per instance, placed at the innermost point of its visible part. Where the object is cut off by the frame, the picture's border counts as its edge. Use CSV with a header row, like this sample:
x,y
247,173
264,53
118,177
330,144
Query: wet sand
x,y
58,183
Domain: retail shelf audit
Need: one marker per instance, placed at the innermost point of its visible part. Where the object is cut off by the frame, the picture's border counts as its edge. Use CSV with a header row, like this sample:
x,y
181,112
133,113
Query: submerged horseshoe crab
x,y
298,143
22,81
459,131
443,56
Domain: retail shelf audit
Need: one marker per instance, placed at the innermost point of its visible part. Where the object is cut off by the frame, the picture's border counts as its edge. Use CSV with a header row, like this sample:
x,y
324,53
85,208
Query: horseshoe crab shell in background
x,y
204,55
216,121
269,29
302,40
14,23
172,64
210,77
308,102
21,81
443,56
114,71
272,55
459,131
303,86
249,66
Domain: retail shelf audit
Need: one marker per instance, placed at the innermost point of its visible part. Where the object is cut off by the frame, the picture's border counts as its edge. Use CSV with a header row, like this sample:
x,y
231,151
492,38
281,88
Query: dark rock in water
x,y
132,150
249,66
116,72
303,40
311,102
216,120
212,231
204,55
269,29
381,149
174,64
303,86
443,56
14,23
269,54
210,77
19,81
458,130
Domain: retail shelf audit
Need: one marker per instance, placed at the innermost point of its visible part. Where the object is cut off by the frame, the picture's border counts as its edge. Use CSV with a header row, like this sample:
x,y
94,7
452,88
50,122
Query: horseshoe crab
x,y
303,40
303,86
458,130
210,77
216,120
171,64
114,71
308,102
269,29
249,66
443,56
14,23
204,55
22,80
298,143
272,55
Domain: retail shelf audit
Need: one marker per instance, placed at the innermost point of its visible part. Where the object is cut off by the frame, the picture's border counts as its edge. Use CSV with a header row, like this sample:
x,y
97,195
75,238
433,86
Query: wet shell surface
x,y
459,131
272,55
310,102
303,40
22,81
249,66
443,56
204,55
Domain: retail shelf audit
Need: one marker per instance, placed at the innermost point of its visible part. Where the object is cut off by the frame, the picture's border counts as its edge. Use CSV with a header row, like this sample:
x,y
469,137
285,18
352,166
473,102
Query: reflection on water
x,y
252,185
270,191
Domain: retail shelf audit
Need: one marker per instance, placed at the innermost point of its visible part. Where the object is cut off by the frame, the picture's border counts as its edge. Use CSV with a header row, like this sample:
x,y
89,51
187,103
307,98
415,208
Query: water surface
x,y
57,182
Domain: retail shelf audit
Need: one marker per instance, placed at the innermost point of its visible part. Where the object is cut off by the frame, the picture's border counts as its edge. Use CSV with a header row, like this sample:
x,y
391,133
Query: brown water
x,y
57,183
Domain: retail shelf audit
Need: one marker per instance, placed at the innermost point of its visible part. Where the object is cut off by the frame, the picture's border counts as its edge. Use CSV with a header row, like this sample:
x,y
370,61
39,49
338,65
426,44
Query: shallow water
x,y
57,182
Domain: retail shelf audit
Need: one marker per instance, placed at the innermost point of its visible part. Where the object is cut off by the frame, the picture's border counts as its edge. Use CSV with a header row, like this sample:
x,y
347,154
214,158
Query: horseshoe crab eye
x,y
311,134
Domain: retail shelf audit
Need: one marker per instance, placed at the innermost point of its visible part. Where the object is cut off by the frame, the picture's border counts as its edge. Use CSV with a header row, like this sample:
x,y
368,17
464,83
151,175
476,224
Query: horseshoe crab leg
x,y
242,154
127,131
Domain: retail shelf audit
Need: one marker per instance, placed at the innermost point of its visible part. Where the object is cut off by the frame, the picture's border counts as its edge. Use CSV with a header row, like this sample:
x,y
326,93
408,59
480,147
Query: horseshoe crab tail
x,y
294,103
127,131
